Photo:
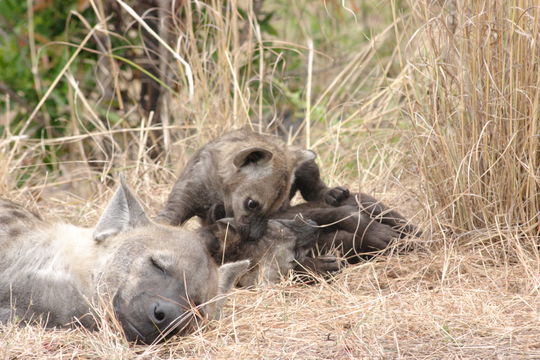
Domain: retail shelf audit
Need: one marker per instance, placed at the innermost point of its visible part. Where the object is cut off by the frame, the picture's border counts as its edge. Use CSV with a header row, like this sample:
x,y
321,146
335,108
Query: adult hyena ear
x,y
123,212
229,274
252,156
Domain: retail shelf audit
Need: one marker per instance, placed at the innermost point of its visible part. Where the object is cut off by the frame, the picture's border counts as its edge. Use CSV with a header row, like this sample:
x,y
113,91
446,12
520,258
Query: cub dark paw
x,y
334,196
379,236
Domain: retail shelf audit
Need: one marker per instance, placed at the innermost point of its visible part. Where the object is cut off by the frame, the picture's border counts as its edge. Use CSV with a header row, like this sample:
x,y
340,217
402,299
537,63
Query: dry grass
x,y
475,100
465,168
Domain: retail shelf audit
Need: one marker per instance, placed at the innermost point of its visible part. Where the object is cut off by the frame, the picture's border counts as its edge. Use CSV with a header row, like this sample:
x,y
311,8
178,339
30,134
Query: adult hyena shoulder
x,y
153,274
14,221
252,175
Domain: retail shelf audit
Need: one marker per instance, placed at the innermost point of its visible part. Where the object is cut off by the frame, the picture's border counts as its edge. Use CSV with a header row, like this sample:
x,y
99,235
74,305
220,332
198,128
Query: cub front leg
x,y
187,199
308,181
323,264
353,247
346,229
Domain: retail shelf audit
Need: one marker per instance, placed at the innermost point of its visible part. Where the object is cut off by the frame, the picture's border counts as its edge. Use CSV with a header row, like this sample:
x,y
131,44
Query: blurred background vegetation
x,y
438,99
39,37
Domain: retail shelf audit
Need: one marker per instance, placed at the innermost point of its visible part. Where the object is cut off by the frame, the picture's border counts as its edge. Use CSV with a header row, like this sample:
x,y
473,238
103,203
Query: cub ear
x,y
306,230
301,156
227,225
215,213
210,241
252,156
123,212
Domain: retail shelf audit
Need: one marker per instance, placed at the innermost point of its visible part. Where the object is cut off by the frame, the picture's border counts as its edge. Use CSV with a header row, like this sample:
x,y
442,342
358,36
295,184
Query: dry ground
x,y
446,298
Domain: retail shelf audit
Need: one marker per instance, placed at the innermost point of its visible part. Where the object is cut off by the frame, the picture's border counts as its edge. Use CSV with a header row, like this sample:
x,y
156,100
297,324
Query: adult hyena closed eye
x,y
252,175
152,274
359,225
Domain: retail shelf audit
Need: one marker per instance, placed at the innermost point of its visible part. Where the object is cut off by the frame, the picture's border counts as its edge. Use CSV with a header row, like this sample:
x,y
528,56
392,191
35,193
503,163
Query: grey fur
x,y
284,247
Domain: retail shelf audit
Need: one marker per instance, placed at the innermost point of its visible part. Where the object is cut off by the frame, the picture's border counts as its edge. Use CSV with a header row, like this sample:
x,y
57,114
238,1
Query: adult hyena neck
x,y
46,265
58,251
76,251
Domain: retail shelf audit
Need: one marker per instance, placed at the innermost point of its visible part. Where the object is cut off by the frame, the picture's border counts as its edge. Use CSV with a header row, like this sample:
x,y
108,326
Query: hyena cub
x,y
360,225
252,175
285,246
157,277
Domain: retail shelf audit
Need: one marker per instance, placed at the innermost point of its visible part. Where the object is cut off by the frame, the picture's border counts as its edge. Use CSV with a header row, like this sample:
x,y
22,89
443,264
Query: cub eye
x,y
251,204
157,265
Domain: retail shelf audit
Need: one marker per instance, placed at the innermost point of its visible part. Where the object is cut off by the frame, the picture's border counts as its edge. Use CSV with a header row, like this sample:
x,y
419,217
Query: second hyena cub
x,y
157,277
252,175
285,246
360,225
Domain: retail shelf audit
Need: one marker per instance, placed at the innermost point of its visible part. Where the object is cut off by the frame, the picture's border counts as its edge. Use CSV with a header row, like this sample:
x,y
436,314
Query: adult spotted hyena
x,y
155,275
252,175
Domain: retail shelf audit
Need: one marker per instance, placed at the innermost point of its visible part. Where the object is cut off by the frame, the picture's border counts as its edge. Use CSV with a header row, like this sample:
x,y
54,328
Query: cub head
x,y
260,185
278,251
160,278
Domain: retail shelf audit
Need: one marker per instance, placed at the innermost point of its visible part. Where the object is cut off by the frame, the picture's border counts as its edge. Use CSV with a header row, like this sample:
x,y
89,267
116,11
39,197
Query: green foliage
x,y
50,24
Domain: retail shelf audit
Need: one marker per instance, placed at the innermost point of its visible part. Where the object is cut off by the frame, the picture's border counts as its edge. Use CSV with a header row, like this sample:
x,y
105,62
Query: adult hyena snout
x,y
149,318
166,314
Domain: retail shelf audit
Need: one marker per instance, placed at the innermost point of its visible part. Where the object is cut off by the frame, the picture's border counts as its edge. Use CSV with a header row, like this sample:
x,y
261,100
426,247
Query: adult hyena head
x,y
259,181
159,277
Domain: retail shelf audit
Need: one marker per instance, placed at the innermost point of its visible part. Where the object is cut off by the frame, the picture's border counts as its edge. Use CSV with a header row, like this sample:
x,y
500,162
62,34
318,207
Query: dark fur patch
x,y
236,139
8,205
6,220
254,157
19,214
14,232
17,211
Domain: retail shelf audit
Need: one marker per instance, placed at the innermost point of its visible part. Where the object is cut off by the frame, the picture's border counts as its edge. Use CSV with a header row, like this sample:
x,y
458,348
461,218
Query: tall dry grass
x,y
239,78
474,99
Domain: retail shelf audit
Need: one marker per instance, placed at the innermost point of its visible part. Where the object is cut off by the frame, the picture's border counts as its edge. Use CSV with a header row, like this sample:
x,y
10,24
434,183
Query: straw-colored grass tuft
x,y
474,99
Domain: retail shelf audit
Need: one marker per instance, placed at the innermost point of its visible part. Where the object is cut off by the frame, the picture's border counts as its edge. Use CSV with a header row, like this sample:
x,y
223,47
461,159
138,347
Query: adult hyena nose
x,y
167,315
